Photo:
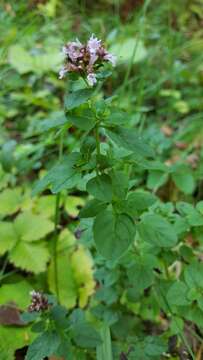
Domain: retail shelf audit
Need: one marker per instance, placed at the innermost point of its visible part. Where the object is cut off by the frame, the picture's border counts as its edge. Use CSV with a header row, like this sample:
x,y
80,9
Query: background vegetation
x,y
158,85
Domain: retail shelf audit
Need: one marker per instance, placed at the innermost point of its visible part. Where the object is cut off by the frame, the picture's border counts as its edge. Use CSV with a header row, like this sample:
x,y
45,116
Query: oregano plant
x,y
137,239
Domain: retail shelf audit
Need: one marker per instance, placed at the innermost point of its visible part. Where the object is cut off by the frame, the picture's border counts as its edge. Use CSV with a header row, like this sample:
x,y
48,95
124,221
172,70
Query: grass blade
x,y
104,351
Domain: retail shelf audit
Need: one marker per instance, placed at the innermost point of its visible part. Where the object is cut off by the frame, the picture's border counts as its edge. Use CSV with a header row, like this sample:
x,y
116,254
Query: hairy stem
x,y
56,224
97,147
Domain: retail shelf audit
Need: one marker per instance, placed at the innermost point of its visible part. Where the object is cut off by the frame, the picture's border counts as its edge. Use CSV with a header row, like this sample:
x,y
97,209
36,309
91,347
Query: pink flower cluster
x,y
85,59
39,302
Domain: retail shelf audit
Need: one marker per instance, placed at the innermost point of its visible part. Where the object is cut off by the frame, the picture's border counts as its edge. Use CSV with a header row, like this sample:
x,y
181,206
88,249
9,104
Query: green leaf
x,y
102,312
176,325
194,314
152,347
200,207
119,184
20,59
8,237
193,216
88,145
100,187
56,119
10,201
18,292
86,121
139,201
62,176
104,351
177,294
13,338
92,208
59,314
7,159
113,234
129,50
117,117
128,139
44,345
30,256
157,230
30,227
156,179
65,350
106,295
184,179
141,273
76,98
85,335
39,63
194,275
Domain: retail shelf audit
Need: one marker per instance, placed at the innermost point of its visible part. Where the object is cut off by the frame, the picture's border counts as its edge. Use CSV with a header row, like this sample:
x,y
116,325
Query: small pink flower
x,y
62,73
73,50
93,58
93,45
39,302
111,58
64,50
91,78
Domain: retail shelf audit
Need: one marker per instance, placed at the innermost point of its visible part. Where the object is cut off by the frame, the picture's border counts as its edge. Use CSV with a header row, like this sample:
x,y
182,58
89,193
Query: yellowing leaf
x,y
32,227
82,266
75,277
27,201
73,205
182,107
66,240
66,283
30,256
45,205
10,201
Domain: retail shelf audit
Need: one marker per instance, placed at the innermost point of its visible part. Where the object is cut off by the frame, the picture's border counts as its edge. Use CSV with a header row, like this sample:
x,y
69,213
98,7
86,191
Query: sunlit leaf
x,y
13,338
32,257
10,201
73,205
82,266
8,236
18,292
30,227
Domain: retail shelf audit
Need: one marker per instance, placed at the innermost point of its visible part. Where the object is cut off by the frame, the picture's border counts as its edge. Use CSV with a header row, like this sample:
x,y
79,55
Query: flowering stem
x,y
56,223
97,147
